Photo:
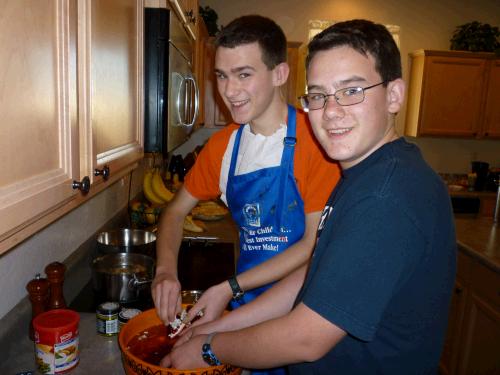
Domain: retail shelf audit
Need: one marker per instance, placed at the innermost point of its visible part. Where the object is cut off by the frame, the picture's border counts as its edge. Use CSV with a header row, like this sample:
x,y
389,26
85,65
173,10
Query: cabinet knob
x,y
486,134
190,16
458,290
104,172
83,186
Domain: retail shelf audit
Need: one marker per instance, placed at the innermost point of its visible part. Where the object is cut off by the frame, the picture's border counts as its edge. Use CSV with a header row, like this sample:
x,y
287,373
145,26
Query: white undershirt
x,y
256,152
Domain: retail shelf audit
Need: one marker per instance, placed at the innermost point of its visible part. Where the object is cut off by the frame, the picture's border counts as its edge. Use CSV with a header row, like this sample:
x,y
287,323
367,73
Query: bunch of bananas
x,y
154,189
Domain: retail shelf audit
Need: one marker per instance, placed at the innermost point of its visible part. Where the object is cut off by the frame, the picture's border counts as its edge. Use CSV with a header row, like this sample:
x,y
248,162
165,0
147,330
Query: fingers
x,y
166,361
166,297
184,337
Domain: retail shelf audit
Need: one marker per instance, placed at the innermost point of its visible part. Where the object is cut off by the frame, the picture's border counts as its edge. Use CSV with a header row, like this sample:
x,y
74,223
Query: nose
x,y
229,88
333,109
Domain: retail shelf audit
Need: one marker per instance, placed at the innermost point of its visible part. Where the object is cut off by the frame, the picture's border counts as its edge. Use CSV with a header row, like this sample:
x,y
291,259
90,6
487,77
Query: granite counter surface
x,y
480,238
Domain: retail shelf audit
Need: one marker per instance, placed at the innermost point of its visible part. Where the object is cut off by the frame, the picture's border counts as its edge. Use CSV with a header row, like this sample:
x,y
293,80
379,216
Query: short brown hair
x,y
365,37
251,29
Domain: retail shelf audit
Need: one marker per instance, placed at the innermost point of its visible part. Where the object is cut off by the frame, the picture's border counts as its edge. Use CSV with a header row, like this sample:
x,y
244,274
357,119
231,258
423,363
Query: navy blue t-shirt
x,y
384,266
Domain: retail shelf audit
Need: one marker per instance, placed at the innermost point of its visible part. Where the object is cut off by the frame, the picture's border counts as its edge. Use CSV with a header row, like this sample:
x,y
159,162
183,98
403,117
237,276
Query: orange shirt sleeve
x,y
316,174
202,180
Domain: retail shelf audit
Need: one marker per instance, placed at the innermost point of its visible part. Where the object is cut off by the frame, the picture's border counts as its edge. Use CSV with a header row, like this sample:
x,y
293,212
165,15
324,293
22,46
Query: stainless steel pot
x,y
122,277
127,241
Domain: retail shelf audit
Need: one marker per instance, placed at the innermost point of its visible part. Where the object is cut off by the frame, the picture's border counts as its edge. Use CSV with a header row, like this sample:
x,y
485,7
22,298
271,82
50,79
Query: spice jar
x,y
107,318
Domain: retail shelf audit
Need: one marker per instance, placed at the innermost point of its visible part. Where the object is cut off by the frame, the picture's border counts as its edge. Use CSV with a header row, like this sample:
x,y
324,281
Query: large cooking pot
x,y
126,241
122,277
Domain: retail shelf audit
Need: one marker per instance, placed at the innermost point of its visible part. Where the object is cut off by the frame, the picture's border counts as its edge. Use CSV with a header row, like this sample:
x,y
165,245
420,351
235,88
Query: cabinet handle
x,y
486,134
102,172
83,186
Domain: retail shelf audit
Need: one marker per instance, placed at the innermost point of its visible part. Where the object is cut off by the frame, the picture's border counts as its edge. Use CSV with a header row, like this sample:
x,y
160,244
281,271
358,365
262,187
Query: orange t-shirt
x,y
315,174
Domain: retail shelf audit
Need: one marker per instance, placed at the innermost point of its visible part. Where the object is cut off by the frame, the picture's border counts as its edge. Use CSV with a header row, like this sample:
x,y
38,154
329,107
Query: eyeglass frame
x,y
326,96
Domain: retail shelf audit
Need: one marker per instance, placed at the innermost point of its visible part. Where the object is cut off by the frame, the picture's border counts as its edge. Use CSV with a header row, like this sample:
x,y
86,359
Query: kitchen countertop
x,y
224,230
480,238
98,354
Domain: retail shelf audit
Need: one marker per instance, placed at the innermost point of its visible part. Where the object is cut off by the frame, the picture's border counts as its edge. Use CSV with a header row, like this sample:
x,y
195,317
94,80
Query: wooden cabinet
x,y
295,85
216,112
491,127
70,98
473,335
110,83
452,93
39,134
187,10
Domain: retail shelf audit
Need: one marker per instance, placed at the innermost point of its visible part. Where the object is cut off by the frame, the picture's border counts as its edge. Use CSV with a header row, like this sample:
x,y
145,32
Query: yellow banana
x,y
148,189
159,187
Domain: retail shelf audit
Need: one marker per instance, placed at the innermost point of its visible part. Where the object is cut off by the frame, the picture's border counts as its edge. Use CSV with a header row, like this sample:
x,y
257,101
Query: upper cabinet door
x,y
110,68
452,103
449,92
492,108
38,133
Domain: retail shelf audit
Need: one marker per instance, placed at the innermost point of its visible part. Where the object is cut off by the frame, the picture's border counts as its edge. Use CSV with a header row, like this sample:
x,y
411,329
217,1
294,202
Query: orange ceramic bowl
x,y
133,365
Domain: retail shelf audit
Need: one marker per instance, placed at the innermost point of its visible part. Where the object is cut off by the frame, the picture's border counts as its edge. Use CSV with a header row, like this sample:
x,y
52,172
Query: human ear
x,y
280,74
395,95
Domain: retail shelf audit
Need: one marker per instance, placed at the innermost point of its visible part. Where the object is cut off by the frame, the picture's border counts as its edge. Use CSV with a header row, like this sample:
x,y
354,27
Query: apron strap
x,y
286,160
234,157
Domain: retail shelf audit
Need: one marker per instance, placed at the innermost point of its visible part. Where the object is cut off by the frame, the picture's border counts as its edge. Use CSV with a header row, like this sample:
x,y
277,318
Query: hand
x,y
202,329
213,301
165,291
186,356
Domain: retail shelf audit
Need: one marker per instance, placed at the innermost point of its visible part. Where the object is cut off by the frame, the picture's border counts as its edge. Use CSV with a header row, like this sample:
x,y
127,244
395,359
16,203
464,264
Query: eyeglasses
x,y
344,97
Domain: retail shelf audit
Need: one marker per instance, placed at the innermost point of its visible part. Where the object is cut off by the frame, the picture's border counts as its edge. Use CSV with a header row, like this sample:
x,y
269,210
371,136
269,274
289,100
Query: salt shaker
x,y
55,274
38,290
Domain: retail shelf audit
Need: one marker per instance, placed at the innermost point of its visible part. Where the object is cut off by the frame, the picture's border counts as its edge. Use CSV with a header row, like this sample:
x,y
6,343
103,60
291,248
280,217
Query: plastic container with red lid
x,y
56,341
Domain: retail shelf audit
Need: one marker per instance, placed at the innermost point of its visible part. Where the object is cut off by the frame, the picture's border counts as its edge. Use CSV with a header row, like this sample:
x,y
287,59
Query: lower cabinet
x,y
472,345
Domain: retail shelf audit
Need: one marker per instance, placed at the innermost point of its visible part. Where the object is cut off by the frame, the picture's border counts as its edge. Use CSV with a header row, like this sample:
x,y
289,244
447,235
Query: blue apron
x,y
267,206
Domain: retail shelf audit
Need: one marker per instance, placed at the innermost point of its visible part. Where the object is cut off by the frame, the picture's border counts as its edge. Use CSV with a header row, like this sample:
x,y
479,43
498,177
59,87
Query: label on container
x,y
107,325
56,341
107,318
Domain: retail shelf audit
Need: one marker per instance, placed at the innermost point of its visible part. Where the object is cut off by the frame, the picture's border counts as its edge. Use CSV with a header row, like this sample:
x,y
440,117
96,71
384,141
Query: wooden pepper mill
x,y
38,290
55,274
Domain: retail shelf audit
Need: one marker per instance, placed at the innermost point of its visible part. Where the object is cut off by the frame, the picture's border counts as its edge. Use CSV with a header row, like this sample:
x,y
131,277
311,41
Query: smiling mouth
x,y
239,103
336,132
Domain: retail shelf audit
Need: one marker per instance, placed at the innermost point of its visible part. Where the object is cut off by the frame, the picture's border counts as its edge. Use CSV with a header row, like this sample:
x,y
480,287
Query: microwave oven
x,y
171,94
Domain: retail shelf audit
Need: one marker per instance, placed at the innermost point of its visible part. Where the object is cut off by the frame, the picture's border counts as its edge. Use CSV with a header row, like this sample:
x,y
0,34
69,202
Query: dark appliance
x,y
170,90
480,168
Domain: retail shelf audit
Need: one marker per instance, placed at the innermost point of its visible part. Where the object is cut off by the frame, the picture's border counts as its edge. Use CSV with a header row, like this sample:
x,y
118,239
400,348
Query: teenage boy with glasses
x,y
376,295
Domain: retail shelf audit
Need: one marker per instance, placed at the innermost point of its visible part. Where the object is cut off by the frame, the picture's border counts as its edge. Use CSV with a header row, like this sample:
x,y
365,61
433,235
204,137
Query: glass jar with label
x,y
107,318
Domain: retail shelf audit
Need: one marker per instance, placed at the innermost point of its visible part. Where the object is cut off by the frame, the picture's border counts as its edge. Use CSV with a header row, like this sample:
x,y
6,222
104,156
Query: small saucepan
x,y
126,241
122,277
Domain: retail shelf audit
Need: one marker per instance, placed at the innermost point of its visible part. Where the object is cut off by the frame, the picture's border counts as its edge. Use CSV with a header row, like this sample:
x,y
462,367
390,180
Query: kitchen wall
x,y
59,240
425,24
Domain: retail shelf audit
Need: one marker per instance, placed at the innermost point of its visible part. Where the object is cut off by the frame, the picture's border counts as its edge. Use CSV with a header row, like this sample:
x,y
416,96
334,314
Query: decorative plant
x,y
210,17
476,36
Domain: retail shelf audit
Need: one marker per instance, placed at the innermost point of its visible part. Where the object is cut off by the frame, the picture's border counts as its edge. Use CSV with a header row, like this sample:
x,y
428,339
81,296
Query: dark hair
x,y
365,37
251,29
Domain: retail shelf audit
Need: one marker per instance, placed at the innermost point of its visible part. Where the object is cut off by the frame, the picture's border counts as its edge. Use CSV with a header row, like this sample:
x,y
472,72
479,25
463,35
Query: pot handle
x,y
135,282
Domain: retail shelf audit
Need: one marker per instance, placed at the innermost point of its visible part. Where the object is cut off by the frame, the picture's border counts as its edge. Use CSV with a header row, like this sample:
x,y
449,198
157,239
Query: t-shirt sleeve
x,y
202,180
360,261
